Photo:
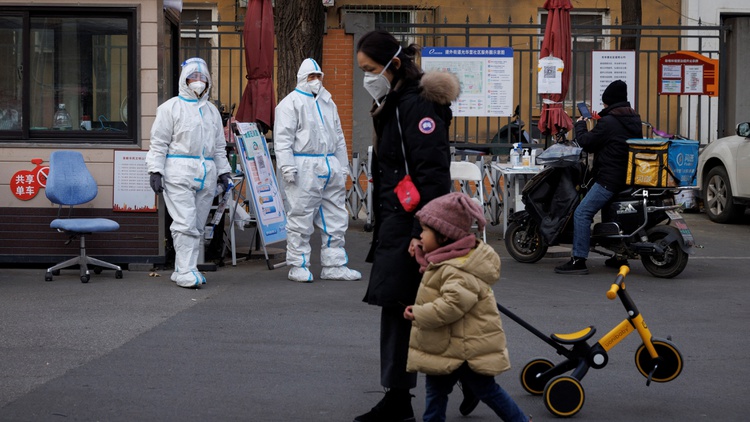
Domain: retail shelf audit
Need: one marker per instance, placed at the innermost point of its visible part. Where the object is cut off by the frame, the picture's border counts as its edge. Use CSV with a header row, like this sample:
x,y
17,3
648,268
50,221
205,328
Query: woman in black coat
x,y
422,104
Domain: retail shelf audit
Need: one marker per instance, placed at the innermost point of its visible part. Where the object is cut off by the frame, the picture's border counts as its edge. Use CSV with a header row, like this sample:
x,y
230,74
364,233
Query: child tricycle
x,y
656,359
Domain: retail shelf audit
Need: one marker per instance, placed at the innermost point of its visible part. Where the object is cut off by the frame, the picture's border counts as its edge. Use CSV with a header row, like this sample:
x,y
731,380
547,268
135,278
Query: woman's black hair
x,y
380,46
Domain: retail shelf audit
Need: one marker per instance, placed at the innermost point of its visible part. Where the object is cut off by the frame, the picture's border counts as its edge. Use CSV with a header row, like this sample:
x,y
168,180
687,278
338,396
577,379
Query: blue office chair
x,y
69,183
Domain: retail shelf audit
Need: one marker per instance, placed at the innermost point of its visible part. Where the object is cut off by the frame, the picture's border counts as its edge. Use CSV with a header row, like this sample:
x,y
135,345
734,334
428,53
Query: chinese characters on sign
x,y
607,67
267,203
485,74
131,191
25,184
689,73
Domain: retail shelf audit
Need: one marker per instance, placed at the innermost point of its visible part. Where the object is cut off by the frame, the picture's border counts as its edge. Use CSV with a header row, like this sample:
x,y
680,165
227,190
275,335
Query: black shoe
x,y
394,407
574,266
469,402
614,262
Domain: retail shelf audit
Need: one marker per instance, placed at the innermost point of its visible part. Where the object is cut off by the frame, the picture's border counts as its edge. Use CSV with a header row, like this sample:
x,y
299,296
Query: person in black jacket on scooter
x,y
618,122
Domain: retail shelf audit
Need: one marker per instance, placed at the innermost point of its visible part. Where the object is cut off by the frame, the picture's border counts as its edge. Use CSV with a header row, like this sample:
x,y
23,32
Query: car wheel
x,y
718,202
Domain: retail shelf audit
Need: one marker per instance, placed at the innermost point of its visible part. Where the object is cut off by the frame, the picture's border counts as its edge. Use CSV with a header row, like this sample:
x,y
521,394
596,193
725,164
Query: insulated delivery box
x,y
683,161
662,162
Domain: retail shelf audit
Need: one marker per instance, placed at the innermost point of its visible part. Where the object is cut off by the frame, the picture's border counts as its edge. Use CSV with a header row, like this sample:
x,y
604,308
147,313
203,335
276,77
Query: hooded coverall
x,y
188,149
309,145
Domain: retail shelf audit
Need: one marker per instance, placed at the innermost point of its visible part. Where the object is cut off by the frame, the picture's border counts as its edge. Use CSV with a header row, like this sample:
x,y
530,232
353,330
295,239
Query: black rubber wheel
x,y
672,262
524,242
97,270
563,396
669,363
48,276
118,273
718,201
531,381
85,278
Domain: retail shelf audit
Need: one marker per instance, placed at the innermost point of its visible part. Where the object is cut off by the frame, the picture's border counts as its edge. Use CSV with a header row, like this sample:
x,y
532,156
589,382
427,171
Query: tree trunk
x,y
299,28
631,15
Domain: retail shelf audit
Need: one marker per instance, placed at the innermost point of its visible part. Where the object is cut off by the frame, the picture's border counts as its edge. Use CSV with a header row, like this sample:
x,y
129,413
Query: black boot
x,y
576,265
615,262
394,407
469,403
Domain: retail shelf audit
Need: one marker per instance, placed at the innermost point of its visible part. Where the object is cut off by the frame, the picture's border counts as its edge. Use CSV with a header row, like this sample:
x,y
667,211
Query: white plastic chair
x,y
465,172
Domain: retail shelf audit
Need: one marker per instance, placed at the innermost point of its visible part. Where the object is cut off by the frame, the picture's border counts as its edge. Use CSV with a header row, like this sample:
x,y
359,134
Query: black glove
x,y
156,185
224,180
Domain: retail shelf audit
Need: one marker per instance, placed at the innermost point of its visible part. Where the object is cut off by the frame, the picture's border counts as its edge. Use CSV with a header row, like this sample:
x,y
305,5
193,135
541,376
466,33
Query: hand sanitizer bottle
x,y
515,159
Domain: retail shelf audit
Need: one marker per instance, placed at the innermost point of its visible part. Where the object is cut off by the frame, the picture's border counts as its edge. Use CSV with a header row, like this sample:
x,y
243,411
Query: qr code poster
x,y
550,71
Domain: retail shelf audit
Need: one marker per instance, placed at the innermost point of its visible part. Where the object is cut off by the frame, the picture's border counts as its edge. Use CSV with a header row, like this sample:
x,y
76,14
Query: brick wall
x,y
338,66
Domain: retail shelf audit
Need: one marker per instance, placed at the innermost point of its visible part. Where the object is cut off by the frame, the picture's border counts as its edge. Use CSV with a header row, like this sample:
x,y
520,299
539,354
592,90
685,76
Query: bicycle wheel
x,y
563,396
531,379
669,364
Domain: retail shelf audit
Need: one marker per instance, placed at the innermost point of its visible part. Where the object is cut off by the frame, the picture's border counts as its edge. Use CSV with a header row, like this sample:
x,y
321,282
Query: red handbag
x,y
407,193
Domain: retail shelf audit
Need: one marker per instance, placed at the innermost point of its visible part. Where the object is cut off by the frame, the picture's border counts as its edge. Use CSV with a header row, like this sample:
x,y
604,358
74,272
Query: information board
x,y
485,74
689,73
607,67
131,188
261,180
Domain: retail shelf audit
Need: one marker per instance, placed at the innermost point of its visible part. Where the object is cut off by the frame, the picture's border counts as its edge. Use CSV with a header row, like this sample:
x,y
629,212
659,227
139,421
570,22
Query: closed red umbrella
x,y
258,103
556,43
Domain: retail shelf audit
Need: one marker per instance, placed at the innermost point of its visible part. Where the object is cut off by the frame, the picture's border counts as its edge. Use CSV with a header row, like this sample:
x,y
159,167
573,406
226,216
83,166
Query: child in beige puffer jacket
x,y
456,330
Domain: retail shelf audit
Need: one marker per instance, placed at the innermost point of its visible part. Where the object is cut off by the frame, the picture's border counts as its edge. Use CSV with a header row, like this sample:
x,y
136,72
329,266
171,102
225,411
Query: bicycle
x,y
657,359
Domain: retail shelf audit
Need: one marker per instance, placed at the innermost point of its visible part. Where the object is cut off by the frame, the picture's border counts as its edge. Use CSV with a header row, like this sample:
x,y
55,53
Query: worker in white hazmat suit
x,y
186,160
313,163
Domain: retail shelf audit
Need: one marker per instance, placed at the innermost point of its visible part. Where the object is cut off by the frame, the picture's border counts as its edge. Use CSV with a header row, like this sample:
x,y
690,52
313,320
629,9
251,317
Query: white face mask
x,y
198,87
378,85
315,86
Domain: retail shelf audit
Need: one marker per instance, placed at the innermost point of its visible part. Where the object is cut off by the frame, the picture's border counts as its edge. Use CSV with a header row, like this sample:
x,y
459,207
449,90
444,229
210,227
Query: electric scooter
x,y
639,223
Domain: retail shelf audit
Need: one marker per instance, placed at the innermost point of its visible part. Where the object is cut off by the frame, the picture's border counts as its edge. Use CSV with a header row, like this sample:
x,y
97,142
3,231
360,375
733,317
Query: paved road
x,y
252,346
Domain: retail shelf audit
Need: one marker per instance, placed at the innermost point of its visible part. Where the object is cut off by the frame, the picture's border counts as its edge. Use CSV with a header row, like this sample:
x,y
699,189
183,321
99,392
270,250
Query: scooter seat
x,y
576,337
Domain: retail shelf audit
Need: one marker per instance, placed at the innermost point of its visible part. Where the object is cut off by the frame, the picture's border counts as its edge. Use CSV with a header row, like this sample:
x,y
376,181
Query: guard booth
x,y
111,63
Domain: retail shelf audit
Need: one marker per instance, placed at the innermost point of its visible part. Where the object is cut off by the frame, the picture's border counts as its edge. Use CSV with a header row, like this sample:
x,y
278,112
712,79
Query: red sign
x,y
25,184
688,73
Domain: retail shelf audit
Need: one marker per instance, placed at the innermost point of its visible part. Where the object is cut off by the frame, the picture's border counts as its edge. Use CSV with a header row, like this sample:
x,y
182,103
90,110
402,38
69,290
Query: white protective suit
x,y
310,149
189,150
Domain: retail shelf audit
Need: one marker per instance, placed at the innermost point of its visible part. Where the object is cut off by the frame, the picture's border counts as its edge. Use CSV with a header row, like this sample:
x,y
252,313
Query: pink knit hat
x,y
452,215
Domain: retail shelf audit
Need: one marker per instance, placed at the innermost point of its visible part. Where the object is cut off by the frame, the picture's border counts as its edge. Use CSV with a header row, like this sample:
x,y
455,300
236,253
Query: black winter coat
x,y
607,140
395,276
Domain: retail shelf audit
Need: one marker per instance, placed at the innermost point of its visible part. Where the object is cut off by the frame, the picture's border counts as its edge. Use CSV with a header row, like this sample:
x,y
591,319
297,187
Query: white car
x,y
724,176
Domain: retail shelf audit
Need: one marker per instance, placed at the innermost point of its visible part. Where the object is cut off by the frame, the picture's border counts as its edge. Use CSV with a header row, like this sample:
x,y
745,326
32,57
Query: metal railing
x,y
221,44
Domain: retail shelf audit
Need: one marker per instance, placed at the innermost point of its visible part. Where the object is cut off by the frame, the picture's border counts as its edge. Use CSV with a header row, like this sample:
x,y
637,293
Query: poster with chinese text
x,y
131,189
485,74
259,174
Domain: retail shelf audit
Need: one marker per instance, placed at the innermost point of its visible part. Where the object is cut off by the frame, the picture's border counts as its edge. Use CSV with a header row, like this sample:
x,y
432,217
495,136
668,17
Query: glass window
x,y
198,32
390,18
77,73
11,67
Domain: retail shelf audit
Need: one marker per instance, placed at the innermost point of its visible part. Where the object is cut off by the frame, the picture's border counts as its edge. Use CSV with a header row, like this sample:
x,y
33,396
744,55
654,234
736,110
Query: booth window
x,y
79,57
